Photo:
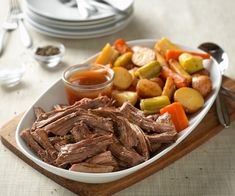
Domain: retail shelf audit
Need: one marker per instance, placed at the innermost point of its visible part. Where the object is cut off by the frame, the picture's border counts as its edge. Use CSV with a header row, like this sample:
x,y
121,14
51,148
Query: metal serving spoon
x,y
222,59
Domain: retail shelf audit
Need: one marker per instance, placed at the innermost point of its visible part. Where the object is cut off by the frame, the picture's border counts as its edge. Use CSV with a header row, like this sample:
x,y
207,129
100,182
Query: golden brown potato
x,y
158,80
176,67
125,96
147,89
134,79
202,83
165,44
191,63
143,56
124,60
169,88
161,59
154,104
190,98
204,72
122,78
108,55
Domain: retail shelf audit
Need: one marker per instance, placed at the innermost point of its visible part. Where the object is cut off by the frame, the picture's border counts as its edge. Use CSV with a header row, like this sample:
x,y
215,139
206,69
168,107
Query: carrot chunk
x,y
174,54
178,115
121,46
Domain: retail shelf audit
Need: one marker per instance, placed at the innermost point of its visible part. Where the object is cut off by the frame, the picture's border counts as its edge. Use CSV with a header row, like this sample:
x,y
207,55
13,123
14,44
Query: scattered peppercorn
x,y
48,51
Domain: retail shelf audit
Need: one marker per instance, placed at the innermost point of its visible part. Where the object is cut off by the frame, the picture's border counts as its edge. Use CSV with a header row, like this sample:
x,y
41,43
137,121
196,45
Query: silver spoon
x,y
222,59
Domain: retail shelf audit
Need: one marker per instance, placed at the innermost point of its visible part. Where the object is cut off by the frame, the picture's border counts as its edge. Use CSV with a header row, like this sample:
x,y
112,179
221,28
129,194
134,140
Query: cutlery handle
x,y
25,37
228,93
222,111
2,35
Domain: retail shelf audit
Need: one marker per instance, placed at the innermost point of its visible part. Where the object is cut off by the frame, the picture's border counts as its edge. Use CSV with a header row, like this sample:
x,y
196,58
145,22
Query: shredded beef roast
x,y
142,145
41,137
85,103
27,137
105,158
38,112
127,135
103,101
128,157
94,136
77,152
63,125
167,137
55,139
80,131
60,144
59,107
52,118
144,123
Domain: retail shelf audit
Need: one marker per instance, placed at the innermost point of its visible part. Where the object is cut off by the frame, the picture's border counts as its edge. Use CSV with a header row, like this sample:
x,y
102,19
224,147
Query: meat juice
x,y
90,84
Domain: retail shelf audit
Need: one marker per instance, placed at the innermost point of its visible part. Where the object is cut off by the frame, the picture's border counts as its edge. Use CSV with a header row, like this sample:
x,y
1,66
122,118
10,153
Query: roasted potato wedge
x,y
122,78
203,71
143,56
178,79
169,88
161,59
202,83
146,89
163,45
107,55
124,60
176,67
158,80
149,70
134,79
125,96
190,98
153,105
190,63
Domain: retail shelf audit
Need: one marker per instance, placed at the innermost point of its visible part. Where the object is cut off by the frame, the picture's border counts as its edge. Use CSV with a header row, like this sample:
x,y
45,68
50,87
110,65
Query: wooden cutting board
x,y
204,131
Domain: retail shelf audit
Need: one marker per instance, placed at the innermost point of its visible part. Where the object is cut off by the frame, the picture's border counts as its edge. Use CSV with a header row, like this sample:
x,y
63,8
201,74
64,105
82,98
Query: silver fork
x,y
19,16
9,25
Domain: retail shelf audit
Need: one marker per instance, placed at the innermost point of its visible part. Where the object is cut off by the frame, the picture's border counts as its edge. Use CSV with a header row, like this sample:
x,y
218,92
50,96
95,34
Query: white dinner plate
x,y
53,24
55,9
80,34
55,94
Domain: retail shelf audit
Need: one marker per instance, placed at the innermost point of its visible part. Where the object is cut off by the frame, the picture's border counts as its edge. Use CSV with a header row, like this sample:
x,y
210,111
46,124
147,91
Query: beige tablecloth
x,y
209,170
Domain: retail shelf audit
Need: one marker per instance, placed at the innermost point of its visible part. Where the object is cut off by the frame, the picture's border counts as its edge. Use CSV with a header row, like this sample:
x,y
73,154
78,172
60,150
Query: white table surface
x,y
208,170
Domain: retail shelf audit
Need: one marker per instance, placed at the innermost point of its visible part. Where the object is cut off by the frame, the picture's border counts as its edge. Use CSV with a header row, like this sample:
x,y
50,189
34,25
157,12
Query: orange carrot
x,y
121,46
174,54
178,115
178,79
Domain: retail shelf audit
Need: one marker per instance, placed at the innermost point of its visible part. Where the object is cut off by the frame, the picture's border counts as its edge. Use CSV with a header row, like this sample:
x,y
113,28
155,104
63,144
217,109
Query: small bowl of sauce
x,y
87,80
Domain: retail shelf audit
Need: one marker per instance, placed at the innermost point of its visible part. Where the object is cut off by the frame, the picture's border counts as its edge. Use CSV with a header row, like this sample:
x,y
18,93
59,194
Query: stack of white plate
x,y
61,18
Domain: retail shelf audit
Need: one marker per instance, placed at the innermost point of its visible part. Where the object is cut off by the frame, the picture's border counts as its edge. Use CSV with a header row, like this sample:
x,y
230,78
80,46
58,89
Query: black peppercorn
x,y
48,51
